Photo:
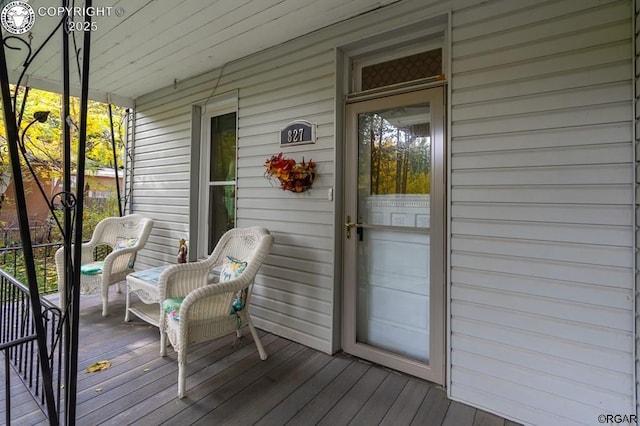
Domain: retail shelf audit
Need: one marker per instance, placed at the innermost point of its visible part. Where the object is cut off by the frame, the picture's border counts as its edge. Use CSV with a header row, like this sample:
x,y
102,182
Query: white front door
x,y
394,233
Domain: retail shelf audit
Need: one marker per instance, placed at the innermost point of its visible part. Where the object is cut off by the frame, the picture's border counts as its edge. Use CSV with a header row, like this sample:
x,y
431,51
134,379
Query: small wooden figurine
x,y
182,251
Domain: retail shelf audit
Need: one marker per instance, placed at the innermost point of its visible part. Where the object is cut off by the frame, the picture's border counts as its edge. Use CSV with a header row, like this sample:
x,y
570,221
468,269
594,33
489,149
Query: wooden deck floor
x,y
296,385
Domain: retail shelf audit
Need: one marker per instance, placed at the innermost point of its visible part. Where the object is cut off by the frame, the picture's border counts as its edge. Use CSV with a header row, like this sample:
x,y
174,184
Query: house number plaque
x,y
298,132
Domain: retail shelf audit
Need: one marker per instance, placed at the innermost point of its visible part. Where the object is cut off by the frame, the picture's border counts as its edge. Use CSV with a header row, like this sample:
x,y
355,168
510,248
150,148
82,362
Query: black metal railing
x,y
12,262
18,344
41,232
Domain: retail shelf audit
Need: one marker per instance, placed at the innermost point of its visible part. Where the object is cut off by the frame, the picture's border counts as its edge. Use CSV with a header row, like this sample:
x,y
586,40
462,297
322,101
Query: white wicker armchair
x,y
205,312
126,236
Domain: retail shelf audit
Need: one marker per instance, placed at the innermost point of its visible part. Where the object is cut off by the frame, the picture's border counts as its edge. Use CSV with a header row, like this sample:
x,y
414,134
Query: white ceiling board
x,y
158,41
48,65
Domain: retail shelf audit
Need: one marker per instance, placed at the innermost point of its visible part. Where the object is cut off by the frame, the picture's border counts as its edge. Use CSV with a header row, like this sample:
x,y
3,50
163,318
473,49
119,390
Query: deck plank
x,y
459,415
433,408
355,398
266,393
160,373
165,404
295,401
24,409
231,385
487,419
315,410
406,405
381,401
233,388
32,417
166,399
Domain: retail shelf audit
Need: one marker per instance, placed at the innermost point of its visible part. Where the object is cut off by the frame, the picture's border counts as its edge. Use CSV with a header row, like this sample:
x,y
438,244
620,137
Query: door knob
x,y
348,224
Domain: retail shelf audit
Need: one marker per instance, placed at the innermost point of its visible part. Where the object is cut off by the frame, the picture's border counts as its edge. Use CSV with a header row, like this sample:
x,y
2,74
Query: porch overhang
x,y
141,46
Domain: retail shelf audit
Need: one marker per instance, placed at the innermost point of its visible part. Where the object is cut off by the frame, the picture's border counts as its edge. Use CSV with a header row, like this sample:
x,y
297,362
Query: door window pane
x,y
394,167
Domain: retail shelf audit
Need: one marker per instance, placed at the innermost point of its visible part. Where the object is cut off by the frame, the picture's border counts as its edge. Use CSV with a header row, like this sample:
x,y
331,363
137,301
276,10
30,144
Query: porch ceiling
x,y
155,43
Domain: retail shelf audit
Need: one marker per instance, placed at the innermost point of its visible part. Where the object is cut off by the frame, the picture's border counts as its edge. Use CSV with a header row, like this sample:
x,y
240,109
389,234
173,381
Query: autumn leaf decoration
x,y
293,176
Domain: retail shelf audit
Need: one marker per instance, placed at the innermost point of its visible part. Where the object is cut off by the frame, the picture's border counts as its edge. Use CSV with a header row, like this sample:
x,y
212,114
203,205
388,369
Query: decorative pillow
x,y
172,307
238,301
231,269
93,268
123,242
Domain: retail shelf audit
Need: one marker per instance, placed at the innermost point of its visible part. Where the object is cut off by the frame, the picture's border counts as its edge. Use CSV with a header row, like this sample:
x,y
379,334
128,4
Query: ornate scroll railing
x,y
73,205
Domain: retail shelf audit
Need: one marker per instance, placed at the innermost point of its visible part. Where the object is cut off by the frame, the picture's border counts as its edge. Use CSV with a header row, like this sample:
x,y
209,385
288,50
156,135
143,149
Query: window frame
x,y
219,106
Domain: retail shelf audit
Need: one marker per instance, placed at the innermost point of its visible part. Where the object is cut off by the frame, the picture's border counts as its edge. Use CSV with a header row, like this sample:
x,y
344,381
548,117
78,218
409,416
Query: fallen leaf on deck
x,y
98,366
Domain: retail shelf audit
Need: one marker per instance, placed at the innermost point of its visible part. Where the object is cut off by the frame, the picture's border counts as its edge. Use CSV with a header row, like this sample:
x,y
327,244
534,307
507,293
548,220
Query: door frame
x,y
434,371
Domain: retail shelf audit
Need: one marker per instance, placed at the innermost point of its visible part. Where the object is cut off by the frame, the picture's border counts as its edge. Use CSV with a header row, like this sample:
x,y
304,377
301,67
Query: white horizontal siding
x,y
541,195
297,288
294,291
559,213
292,81
542,266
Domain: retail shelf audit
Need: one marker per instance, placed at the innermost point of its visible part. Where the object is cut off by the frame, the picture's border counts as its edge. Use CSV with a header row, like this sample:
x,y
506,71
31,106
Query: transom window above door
x,y
401,70
408,57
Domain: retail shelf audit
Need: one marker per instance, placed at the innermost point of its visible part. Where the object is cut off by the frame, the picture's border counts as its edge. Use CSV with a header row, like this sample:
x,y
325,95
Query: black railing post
x,y
67,205
25,234
7,386
82,145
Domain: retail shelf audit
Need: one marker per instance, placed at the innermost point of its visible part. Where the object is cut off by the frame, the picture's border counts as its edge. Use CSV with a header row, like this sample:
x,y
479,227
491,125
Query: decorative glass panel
x,y
410,68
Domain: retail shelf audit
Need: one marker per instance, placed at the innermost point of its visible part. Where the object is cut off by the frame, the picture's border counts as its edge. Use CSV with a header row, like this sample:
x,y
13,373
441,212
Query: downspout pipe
x,y
115,160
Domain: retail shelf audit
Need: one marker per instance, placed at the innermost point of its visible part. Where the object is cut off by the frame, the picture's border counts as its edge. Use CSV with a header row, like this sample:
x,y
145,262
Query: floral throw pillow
x,y
231,269
172,307
123,242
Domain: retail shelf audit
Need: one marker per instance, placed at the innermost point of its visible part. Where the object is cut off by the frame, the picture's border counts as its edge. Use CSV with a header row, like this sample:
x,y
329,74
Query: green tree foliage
x,y
43,145
43,141
393,159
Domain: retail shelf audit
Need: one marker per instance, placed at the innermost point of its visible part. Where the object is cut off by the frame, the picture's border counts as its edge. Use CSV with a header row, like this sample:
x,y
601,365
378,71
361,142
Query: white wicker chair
x,y
206,310
117,264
